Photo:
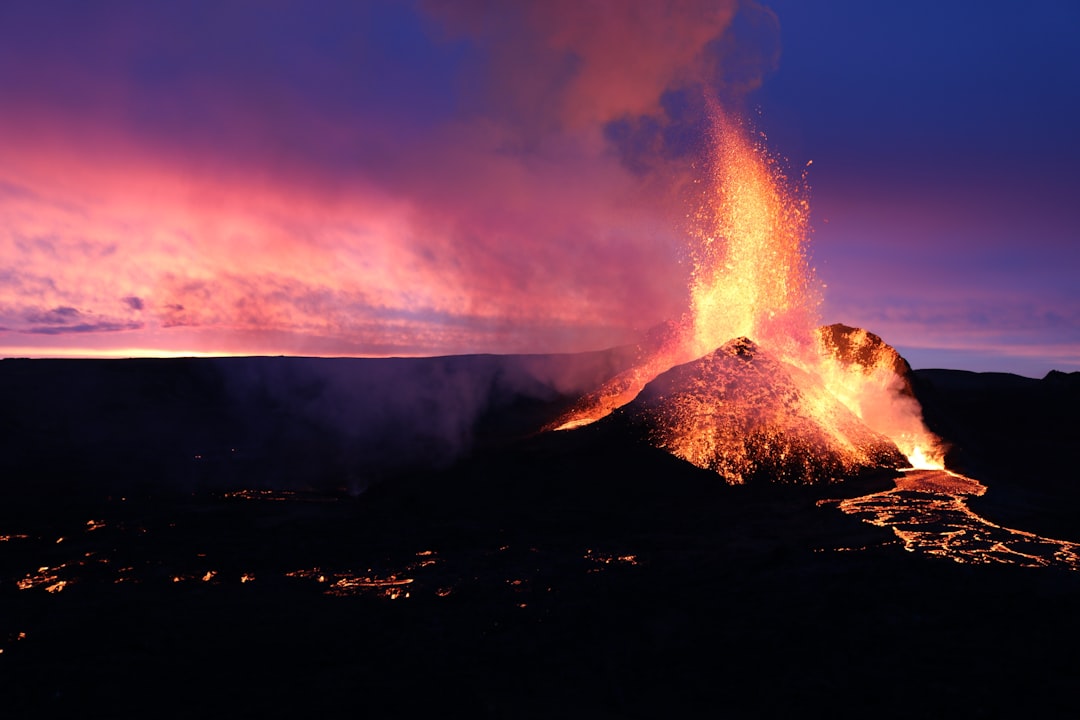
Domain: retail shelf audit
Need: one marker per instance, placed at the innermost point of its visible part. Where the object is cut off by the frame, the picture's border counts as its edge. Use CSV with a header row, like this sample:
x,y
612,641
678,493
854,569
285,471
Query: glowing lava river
x,y
928,512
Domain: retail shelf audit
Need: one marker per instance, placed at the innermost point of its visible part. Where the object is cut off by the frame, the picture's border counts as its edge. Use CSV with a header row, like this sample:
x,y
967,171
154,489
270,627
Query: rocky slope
x,y
751,418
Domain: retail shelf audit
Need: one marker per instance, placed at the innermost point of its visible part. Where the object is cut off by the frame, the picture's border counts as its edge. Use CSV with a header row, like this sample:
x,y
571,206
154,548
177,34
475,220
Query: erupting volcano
x,y
746,383
750,417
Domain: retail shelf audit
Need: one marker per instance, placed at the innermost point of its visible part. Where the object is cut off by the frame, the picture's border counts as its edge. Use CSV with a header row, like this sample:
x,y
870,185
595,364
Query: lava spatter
x,y
750,417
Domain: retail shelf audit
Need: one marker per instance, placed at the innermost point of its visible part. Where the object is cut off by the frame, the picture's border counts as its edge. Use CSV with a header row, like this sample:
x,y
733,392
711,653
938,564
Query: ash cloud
x,y
730,67
569,64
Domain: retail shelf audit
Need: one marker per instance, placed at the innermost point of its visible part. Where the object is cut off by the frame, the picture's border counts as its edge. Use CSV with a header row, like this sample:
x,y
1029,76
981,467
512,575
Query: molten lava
x,y
750,417
750,273
871,378
928,513
818,402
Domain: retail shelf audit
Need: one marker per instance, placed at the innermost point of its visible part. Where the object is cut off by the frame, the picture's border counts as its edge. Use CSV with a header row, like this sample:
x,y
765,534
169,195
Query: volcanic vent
x,y
750,417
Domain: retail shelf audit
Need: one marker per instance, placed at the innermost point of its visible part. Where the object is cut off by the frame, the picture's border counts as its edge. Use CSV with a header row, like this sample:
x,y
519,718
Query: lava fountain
x,y
748,241
800,402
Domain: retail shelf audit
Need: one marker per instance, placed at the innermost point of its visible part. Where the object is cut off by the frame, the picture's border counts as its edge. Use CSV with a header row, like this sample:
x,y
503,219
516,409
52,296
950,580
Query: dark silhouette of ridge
x,y
586,573
1016,434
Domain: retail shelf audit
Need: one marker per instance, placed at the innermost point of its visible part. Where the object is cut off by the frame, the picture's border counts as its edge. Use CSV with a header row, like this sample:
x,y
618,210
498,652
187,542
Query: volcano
x,y
751,417
745,383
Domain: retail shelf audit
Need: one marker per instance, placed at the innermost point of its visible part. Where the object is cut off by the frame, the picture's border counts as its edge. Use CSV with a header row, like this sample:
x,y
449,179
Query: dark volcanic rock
x,y
1016,434
1004,426
168,425
752,418
576,574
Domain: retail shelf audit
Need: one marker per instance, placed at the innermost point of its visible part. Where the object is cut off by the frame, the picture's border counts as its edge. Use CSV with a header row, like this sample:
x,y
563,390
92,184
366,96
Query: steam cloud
x,y
347,201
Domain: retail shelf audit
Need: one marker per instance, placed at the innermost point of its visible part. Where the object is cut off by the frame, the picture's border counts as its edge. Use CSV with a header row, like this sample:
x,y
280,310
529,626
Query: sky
x,y
431,178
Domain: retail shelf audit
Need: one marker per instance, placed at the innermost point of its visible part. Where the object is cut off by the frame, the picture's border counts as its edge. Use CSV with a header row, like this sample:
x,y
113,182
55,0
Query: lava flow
x,y
803,403
928,513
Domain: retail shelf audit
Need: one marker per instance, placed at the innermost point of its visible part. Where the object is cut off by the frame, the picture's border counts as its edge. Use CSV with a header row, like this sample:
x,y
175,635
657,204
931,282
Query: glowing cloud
x,y
321,193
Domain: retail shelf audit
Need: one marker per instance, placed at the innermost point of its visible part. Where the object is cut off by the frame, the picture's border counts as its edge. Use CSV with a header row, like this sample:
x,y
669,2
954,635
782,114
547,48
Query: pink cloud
x,y
483,241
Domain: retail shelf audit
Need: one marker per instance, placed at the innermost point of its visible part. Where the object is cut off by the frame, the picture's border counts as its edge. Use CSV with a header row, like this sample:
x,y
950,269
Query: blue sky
x,y
945,151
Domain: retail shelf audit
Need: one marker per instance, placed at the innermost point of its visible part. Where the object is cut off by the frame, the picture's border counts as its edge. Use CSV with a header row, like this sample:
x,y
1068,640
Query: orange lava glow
x,y
928,513
621,389
920,461
871,386
751,278
45,577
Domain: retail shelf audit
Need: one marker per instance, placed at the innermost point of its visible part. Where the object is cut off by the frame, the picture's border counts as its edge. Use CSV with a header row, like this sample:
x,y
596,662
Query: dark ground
x,y
574,574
